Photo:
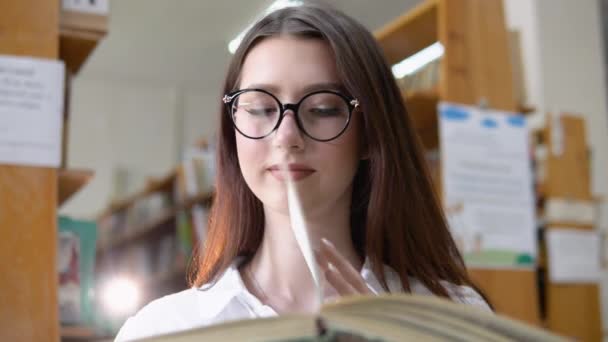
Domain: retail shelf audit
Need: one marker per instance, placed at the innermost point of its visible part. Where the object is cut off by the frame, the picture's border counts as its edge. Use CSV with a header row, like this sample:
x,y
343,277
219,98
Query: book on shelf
x,y
387,317
75,266
196,176
134,218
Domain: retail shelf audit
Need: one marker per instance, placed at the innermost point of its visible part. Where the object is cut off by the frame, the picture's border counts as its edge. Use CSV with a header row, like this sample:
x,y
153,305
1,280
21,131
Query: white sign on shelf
x,y
31,111
573,255
101,7
570,210
487,185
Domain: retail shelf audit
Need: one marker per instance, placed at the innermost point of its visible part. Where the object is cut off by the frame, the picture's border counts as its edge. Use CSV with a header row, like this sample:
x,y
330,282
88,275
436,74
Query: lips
x,y
295,171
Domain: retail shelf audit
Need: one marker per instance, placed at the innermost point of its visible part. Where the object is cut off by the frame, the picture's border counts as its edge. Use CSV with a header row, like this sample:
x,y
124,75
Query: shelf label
x,y
31,111
87,6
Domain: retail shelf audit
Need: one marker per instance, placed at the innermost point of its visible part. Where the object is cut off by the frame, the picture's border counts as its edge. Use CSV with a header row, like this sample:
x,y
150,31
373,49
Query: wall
x,y
118,125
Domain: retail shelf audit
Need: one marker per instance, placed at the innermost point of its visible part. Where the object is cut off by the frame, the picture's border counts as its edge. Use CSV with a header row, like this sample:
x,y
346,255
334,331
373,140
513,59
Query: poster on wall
x,y
31,111
487,185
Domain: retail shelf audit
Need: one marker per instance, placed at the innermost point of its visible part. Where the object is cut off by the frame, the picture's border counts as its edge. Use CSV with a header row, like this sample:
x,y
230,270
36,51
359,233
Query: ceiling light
x,y
418,60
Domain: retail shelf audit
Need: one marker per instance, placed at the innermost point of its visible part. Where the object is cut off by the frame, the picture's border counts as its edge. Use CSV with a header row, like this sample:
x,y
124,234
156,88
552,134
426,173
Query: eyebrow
x,y
309,88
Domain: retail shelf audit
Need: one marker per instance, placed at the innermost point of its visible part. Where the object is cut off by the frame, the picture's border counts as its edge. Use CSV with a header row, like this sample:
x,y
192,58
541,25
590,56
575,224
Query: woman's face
x,y
291,67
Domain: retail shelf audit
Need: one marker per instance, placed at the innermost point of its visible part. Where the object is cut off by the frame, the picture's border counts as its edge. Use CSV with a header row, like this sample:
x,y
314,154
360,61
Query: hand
x,y
339,272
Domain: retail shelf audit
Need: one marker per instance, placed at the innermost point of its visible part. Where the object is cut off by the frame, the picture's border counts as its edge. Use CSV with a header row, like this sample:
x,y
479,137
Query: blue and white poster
x,y
487,185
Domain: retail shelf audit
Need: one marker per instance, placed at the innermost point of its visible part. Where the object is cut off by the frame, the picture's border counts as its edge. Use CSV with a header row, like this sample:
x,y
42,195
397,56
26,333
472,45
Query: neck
x,y
279,267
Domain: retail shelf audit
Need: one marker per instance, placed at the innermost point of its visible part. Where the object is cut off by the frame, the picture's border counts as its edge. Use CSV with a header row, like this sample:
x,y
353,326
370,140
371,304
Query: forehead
x,y
289,64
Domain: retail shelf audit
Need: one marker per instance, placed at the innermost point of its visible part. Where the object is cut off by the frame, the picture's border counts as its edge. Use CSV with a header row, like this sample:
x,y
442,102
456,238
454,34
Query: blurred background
x,y
142,95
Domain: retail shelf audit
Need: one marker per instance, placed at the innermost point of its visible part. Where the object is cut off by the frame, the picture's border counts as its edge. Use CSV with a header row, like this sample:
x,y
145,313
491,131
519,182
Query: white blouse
x,y
228,299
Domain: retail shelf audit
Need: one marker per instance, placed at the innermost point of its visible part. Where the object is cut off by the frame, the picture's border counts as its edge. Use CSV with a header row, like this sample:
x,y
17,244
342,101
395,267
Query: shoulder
x,y
466,295
162,316
188,309
458,293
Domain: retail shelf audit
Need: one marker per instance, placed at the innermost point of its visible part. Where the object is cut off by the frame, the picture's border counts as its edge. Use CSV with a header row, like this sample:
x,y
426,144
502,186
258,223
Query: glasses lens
x,y
324,115
255,113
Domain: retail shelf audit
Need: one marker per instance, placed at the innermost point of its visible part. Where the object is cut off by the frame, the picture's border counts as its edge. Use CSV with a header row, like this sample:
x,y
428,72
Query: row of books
x,y
194,178
150,260
134,218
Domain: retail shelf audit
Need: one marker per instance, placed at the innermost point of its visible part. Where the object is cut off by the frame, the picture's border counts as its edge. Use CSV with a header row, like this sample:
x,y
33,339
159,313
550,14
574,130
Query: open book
x,y
390,317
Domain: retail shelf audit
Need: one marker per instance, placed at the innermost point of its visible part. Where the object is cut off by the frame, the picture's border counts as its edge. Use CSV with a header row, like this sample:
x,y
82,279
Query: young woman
x,y
309,87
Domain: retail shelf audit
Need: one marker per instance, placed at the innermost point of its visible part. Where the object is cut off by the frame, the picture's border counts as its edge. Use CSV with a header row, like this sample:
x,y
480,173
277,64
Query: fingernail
x,y
331,267
327,242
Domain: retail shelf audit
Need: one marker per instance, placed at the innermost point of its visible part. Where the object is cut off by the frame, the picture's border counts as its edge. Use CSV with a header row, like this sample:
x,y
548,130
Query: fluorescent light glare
x,y
418,60
120,296
277,5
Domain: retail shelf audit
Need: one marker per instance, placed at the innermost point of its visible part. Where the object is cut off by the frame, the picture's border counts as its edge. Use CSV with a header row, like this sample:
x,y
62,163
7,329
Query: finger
x,y
333,276
338,282
343,266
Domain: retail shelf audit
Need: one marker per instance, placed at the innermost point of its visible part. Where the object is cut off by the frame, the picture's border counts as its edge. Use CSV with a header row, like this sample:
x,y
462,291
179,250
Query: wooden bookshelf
x,y
155,226
80,333
76,332
475,67
410,33
71,181
203,199
164,184
170,276
143,231
28,197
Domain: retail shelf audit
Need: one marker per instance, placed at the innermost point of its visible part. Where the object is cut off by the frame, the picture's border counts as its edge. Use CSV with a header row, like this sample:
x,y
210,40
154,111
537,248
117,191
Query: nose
x,y
288,135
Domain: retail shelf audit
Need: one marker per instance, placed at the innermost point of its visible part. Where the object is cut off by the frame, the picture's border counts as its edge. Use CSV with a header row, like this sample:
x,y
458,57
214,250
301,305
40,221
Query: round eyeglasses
x,y
322,115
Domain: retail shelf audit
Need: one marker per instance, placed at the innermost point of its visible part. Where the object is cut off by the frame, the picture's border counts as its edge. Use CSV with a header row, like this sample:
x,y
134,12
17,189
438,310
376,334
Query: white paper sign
x,y
569,210
87,6
487,184
573,255
31,111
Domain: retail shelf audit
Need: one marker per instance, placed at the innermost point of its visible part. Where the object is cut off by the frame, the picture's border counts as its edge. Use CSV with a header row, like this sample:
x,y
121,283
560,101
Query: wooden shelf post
x,y
28,198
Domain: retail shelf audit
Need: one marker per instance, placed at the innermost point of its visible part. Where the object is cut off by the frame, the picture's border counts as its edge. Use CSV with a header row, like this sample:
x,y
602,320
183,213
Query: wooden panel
x,y
410,33
28,285
574,311
422,108
568,175
477,62
512,292
28,198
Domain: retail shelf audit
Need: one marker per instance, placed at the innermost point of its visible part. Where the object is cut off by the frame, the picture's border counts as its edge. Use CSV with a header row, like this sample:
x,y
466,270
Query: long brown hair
x,y
396,219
